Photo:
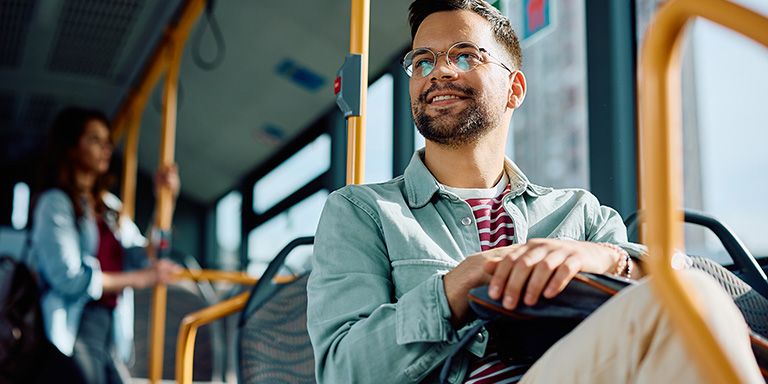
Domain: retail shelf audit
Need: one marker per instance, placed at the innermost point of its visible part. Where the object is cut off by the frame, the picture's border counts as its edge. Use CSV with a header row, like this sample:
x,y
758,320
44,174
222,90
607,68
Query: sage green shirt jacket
x,y
377,311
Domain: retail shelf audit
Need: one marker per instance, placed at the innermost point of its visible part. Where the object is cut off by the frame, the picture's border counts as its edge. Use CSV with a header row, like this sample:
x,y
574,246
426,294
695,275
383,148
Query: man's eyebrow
x,y
449,45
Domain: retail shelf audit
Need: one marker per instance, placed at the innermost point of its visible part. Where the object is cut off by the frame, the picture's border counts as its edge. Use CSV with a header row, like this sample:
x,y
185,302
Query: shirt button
x,y
466,221
480,337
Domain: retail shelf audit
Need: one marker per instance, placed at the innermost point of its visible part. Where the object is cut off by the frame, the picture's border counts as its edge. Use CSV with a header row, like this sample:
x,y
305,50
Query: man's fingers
x,y
540,276
519,276
562,276
499,279
500,266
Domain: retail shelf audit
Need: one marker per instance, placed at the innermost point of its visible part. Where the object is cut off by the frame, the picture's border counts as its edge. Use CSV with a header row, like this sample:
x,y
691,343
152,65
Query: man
x,y
394,261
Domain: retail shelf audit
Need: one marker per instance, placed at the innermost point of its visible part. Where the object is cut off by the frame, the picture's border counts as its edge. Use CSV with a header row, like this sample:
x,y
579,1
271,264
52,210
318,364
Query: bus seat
x,y
183,299
273,343
753,306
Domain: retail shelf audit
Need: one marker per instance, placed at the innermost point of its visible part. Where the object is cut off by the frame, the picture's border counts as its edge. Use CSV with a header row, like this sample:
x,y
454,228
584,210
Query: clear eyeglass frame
x,y
463,56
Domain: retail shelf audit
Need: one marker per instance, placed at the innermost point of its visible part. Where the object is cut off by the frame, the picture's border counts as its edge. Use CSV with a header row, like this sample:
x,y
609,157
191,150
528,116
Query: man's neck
x,y
479,165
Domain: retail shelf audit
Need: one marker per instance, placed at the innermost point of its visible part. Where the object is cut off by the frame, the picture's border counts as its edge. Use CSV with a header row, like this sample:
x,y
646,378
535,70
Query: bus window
x,y
308,163
724,135
548,136
266,240
378,131
20,206
228,223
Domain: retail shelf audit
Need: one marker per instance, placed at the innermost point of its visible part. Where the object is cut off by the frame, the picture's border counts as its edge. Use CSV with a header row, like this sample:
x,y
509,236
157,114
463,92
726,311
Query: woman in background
x,y
84,253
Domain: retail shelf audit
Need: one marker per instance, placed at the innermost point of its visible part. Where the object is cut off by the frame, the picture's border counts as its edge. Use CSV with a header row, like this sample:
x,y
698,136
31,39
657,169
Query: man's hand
x,y
546,265
538,266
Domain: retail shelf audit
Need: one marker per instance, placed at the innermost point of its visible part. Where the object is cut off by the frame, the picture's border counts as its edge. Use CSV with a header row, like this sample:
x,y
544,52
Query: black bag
x,y
526,340
21,324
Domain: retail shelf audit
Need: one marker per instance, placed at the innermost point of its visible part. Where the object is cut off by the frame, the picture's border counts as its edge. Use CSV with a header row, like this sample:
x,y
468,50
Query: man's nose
x,y
443,69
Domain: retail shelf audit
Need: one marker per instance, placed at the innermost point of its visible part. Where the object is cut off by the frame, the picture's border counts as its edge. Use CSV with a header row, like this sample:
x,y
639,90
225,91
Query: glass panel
x,y
20,205
301,168
266,240
228,224
418,139
549,134
378,131
724,135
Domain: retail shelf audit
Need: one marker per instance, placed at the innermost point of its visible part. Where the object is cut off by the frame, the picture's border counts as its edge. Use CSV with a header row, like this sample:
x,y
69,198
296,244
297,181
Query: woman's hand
x,y
168,177
160,272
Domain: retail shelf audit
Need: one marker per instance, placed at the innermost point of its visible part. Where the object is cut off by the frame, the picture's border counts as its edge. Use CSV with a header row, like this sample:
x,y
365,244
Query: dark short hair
x,y
502,28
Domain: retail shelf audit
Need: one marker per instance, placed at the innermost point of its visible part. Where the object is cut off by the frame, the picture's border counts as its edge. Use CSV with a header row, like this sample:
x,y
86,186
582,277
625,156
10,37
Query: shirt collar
x,y
421,186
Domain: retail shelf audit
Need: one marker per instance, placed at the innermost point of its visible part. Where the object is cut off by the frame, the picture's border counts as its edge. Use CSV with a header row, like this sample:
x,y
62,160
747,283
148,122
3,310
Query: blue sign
x,y
536,16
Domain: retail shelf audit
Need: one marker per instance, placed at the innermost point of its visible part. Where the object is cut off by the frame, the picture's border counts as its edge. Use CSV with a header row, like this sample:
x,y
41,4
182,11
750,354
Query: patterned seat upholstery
x,y
753,306
182,300
274,343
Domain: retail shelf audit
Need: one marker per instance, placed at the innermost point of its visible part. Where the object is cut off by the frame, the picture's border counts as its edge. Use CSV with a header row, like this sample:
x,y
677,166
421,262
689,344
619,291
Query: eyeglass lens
x,y
463,57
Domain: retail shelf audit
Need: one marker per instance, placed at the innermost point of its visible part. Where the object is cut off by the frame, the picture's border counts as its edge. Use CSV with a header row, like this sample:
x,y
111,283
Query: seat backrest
x,y
753,306
274,345
182,300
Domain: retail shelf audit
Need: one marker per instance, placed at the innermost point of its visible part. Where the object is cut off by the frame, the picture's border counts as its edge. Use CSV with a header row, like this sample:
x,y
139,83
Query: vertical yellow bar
x,y
164,208
130,165
358,44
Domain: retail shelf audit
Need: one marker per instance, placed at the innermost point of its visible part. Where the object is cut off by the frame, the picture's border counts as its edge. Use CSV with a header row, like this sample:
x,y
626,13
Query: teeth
x,y
444,97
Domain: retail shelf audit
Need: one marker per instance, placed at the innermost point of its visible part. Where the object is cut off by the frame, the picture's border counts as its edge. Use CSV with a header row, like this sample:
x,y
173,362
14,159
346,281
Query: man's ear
x,y
517,90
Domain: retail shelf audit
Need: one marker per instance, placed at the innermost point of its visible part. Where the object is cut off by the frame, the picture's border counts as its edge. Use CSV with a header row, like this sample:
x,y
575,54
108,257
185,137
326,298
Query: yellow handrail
x,y
185,345
661,167
213,275
358,45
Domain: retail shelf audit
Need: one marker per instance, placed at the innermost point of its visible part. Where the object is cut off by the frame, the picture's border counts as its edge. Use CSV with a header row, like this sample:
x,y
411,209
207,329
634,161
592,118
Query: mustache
x,y
469,92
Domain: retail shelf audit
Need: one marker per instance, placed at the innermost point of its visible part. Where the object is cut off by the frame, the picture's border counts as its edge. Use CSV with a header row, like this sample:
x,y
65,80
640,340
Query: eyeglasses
x,y
462,56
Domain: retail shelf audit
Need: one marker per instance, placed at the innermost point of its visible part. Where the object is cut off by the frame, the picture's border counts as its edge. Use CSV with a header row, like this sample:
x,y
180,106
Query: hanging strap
x,y
458,347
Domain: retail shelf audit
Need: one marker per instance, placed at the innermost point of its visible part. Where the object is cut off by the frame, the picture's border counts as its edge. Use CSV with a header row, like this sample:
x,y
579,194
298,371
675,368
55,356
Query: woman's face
x,y
94,149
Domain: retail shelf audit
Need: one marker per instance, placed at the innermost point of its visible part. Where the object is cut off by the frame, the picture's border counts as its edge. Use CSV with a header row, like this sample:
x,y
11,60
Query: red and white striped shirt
x,y
495,229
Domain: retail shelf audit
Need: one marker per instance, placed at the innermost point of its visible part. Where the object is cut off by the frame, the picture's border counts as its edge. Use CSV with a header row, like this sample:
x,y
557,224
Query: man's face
x,y
476,100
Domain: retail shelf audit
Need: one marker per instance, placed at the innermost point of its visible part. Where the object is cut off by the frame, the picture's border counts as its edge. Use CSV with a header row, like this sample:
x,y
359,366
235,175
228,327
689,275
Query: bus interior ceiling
x,y
254,76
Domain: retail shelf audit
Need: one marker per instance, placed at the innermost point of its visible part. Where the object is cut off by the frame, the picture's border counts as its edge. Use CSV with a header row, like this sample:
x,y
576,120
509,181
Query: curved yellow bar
x,y
661,167
358,44
185,345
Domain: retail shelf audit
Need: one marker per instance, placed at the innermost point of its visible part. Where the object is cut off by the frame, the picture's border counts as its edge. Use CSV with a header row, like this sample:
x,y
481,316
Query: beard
x,y
454,131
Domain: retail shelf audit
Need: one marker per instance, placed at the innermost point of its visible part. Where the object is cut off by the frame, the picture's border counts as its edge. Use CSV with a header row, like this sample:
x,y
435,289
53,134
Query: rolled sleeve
x,y
64,265
417,311
604,225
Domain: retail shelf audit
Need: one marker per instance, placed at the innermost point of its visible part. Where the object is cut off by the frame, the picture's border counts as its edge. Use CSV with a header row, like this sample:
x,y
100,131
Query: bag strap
x,y
456,349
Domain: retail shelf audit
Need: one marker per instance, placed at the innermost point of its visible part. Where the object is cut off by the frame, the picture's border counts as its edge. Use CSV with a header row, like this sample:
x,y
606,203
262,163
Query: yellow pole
x,y
358,44
661,168
130,165
164,208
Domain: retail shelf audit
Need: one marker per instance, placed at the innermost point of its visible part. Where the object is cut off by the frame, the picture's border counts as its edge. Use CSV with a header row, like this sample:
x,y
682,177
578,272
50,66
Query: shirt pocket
x,y
407,274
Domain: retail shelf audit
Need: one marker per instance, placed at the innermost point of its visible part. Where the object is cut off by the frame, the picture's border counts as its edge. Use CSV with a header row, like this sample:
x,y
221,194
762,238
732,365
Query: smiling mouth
x,y
445,100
